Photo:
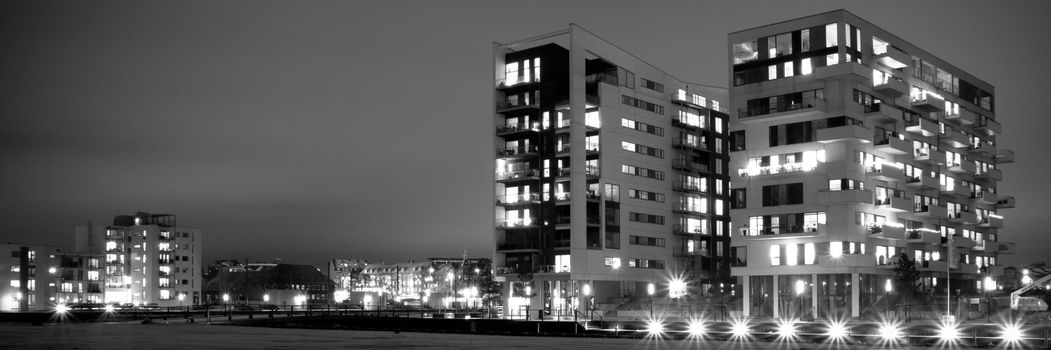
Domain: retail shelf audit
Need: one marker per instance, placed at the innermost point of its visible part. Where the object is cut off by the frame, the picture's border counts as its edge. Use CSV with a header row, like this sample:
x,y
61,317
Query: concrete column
x,y
777,298
855,295
746,284
813,296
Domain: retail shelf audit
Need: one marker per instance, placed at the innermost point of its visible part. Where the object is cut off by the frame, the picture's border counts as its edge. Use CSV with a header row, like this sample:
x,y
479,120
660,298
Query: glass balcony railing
x,y
517,174
515,151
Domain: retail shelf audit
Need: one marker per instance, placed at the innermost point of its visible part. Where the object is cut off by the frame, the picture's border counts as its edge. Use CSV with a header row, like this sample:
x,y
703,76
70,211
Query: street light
x,y
586,290
181,297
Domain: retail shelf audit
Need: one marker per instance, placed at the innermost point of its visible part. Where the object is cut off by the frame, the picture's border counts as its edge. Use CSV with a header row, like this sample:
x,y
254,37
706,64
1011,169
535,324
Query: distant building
x,y
147,259
28,277
270,283
345,272
79,278
436,282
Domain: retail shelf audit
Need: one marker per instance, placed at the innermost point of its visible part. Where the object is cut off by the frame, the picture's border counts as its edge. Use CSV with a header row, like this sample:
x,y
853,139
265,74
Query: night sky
x,y
312,130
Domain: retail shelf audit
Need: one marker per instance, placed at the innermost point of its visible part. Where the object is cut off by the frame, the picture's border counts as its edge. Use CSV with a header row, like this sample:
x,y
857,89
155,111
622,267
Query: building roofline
x,y
790,20
974,78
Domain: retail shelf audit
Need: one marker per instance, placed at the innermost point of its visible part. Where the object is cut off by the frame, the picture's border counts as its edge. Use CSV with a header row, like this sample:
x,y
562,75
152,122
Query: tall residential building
x,y
148,259
851,147
611,175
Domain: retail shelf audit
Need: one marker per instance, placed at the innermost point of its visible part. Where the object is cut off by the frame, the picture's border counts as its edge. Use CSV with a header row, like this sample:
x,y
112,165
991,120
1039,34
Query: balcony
x,y
992,221
1005,202
844,196
989,126
923,182
689,166
518,175
518,247
516,224
932,266
504,84
846,260
510,129
922,237
983,149
1004,247
886,173
844,133
955,139
682,186
963,217
967,268
923,126
882,113
682,252
516,152
965,117
929,103
991,175
982,245
893,145
784,231
931,211
846,70
684,231
986,197
512,106
893,87
519,199
964,167
927,155
896,204
686,143
957,190
806,108
893,58
892,232
1005,156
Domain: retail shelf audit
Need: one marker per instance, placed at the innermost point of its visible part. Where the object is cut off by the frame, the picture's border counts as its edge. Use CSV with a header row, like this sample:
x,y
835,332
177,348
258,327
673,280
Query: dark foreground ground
x,y
201,336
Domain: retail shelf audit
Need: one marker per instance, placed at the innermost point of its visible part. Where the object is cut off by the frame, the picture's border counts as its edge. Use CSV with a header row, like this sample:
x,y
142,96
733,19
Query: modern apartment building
x,y
148,259
850,147
611,175
28,273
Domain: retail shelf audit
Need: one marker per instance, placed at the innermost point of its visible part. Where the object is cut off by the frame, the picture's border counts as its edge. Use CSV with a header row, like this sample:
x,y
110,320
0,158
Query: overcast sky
x,y
312,130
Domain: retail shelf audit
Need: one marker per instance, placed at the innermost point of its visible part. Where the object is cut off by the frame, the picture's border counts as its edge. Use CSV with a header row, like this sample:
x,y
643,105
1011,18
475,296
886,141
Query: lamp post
x,y
889,288
989,285
800,289
650,289
586,290
181,297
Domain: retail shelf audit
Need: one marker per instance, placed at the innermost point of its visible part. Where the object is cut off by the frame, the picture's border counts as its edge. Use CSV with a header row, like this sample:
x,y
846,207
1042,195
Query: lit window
x,y
771,72
562,263
809,254
791,254
832,59
831,34
805,67
835,249
789,69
